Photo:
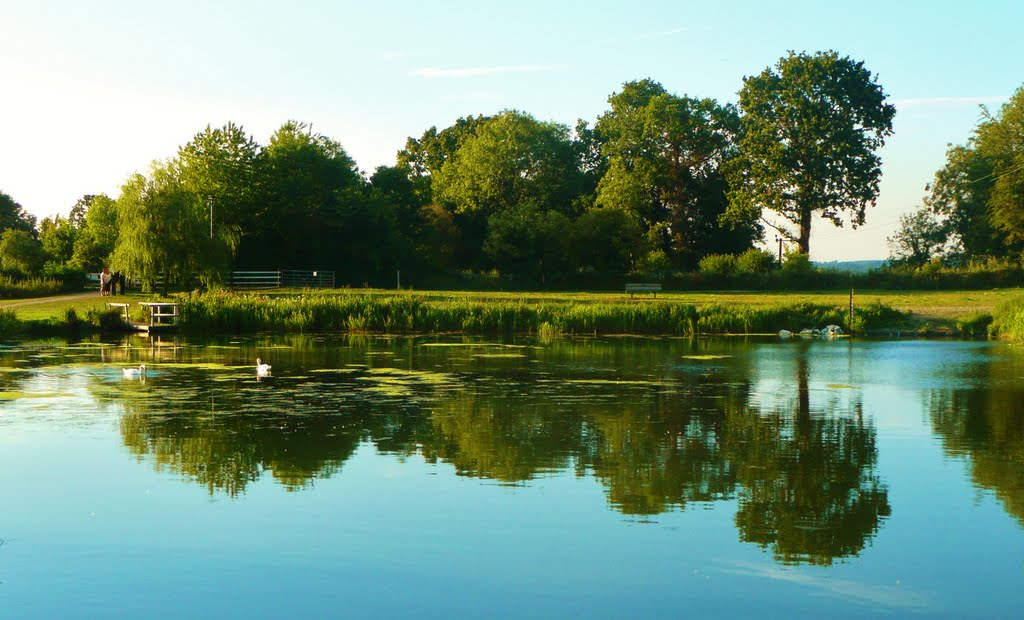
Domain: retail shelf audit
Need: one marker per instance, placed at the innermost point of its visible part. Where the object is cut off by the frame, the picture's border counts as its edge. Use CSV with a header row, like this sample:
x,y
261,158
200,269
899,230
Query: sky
x,y
93,91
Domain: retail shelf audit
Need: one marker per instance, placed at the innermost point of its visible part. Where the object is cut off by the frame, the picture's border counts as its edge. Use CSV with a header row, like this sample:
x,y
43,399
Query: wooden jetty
x,y
162,316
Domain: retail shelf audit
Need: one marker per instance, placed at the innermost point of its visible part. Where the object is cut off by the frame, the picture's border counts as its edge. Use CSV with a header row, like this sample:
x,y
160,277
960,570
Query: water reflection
x,y
661,424
985,425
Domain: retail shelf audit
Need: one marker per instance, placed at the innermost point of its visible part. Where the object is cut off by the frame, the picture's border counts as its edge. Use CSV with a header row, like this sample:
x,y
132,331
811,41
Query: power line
x,y
1013,169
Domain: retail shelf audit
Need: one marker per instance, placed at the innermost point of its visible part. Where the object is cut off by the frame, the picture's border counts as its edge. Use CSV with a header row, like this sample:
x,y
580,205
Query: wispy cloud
x,y
948,102
470,72
664,33
390,55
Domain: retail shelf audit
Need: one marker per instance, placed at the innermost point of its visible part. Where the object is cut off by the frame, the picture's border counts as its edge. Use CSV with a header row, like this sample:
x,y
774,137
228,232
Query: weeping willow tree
x,y
165,233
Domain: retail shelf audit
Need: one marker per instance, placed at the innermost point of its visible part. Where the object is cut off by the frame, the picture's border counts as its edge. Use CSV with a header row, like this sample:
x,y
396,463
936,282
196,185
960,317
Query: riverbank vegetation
x,y
926,313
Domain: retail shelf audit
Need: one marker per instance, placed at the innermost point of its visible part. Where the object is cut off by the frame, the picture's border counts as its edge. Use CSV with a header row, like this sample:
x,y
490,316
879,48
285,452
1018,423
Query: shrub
x,y
1008,320
755,261
718,264
8,323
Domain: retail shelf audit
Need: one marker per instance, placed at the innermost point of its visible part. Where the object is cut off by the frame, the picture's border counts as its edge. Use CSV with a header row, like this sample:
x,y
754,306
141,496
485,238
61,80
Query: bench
x,y
642,287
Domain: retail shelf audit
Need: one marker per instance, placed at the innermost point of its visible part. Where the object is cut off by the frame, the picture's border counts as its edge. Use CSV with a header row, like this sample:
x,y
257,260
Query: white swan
x,y
261,368
133,373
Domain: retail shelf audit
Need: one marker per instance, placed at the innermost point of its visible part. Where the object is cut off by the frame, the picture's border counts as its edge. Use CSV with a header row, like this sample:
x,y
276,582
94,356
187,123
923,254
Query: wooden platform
x,y
163,316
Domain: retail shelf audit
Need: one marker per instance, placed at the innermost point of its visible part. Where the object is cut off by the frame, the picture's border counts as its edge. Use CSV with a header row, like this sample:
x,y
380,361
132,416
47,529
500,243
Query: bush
x,y
28,287
1008,320
974,325
8,323
798,263
755,261
72,278
718,264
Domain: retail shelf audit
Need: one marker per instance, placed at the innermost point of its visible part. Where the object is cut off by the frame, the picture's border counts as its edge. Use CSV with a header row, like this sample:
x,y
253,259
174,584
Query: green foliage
x,y
20,252
98,228
14,216
511,160
664,155
28,287
654,264
1000,141
71,277
57,236
718,264
606,241
797,262
921,236
220,167
811,127
164,232
1008,320
756,261
9,324
527,241
976,324
348,312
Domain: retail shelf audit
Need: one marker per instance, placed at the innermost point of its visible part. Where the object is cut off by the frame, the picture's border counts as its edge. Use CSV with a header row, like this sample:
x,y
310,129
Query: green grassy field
x,y
926,305
376,310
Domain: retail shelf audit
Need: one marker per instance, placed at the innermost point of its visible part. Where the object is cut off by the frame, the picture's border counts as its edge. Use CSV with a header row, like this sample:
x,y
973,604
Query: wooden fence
x,y
288,278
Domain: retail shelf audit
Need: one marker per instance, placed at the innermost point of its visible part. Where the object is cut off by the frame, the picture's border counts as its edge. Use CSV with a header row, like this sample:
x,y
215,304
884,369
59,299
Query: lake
x,y
428,477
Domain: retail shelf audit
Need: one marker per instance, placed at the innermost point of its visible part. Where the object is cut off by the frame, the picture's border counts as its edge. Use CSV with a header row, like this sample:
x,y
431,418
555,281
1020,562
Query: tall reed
x,y
1008,320
403,313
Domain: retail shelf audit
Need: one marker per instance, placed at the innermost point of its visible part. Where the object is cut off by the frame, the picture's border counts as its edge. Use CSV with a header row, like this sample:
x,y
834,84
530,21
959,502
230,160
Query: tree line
x,y
657,183
973,209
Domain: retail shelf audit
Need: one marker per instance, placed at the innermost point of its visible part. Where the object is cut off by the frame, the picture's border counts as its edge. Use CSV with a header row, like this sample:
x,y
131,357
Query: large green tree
x,y
164,232
424,157
811,127
528,241
220,167
511,159
665,155
13,215
1000,141
97,231
920,238
20,252
305,178
57,235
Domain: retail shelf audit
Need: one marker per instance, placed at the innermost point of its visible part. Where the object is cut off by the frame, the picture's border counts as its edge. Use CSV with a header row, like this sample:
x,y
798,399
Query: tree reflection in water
x,y
659,439
985,426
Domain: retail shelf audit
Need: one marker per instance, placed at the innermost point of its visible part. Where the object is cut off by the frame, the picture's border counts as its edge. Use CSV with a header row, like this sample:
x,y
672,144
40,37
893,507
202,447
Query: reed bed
x,y
12,288
1008,319
360,312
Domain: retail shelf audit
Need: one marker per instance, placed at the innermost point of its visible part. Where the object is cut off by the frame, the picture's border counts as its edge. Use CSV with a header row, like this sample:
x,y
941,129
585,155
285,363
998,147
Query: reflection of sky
x,y
89,530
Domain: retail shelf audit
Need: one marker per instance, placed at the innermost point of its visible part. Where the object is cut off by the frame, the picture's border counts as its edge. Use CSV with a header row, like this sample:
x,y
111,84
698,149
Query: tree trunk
x,y
804,241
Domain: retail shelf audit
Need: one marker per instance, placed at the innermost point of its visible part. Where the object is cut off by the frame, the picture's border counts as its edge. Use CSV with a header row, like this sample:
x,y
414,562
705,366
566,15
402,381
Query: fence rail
x,y
290,278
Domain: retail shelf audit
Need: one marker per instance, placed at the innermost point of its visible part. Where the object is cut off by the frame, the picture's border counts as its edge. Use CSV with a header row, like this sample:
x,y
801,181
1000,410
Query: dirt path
x,y
43,300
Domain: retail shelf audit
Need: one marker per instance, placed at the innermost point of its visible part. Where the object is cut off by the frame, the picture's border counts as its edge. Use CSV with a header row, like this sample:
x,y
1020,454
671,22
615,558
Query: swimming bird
x,y
261,368
132,373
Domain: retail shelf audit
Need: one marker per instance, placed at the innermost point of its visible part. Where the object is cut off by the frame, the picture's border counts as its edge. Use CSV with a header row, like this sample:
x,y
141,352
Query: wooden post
x,y
850,322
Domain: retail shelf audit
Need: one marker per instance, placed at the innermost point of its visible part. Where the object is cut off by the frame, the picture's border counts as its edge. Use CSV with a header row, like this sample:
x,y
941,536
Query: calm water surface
x,y
448,477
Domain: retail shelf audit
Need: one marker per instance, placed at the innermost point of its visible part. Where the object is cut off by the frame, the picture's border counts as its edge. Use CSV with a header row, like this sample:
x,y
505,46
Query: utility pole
x,y
209,201
779,239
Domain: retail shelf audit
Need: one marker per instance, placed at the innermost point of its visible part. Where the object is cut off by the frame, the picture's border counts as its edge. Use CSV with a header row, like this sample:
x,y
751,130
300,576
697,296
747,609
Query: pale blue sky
x,y
95,90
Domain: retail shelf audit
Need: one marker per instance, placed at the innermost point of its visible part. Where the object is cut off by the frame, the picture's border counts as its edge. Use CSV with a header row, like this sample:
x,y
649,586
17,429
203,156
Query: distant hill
x,y
852,266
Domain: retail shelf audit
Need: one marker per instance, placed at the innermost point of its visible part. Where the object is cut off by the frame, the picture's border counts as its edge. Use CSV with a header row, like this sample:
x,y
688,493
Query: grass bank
x,y
1007,321
685,313
489,314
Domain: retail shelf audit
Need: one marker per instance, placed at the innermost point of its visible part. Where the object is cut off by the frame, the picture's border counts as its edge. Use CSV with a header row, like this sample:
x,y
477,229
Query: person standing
x,y
105,278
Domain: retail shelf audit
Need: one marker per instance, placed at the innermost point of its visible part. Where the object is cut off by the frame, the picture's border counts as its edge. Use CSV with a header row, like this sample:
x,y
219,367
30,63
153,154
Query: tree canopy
x,y
811,127
976,200
665,155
